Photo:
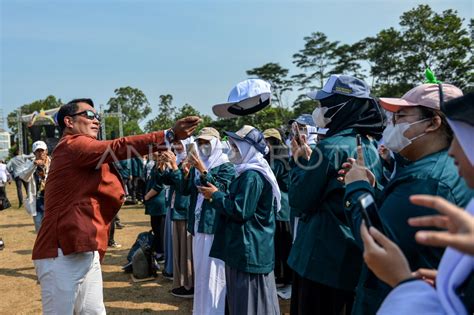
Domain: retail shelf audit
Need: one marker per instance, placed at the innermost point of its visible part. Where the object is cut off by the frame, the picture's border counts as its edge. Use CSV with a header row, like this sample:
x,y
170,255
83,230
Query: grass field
x,y
20,293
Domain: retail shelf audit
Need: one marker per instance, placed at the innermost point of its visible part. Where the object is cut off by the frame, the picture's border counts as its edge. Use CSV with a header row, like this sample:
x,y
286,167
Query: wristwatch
x,y
170,135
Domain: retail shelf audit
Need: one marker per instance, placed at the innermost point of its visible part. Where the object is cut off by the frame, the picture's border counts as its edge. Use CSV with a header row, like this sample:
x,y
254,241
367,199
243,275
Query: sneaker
x,y
2,244
183,293
119,225
166,275
114,244
160,258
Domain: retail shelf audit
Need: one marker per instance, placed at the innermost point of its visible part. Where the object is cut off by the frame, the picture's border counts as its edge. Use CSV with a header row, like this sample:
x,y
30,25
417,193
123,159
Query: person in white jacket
x,y
35,174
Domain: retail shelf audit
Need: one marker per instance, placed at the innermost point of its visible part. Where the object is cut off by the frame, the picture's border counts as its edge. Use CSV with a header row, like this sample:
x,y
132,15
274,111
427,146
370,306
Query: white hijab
x,y
216,159
254,160
180,157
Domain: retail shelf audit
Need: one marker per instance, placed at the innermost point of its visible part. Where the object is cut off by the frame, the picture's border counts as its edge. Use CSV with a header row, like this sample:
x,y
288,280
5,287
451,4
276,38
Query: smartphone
x,y
358,140
190,149
296,132
370,212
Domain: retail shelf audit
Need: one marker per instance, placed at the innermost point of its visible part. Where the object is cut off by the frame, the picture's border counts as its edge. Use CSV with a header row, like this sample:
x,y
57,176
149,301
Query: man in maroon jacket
x,y
82,195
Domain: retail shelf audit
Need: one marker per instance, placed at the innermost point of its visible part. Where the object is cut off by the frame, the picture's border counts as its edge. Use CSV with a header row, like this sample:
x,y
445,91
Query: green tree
x,y
165,117
135,107
277,76
316,60
189,110
398,58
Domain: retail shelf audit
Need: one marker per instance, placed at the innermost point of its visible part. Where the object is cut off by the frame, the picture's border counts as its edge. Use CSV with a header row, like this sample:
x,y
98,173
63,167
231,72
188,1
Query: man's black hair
x,y
70,109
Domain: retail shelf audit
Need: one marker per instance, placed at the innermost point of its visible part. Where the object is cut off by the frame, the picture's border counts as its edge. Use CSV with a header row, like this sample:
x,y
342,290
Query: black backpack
x,y
140,258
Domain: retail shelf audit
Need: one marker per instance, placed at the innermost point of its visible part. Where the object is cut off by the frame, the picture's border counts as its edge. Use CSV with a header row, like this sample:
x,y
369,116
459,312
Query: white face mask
x,y
318,115
234,155
394,136
205,150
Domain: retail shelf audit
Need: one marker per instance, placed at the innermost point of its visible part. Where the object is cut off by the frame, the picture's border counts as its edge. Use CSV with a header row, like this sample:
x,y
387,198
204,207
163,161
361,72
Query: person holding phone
x,y
324,257
453,291
419,135
245,236
208,164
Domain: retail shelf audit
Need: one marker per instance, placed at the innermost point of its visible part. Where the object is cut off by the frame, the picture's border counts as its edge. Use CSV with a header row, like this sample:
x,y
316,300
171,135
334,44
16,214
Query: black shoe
x,y
2,244
166,275
183,293
119,225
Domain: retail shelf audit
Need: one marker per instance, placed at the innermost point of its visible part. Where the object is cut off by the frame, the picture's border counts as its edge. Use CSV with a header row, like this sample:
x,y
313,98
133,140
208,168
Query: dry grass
x,y
20,293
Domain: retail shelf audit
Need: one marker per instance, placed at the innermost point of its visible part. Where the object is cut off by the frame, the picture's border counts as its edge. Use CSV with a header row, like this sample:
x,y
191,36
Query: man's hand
x,y
384,257
185,127
208,190
458,223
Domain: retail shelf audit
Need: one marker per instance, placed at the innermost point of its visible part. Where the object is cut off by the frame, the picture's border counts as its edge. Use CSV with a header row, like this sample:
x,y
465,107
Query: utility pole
x,y
20,131
102,122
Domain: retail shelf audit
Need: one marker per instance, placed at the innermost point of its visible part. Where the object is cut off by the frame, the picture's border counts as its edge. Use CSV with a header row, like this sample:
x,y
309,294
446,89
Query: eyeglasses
x,y
88,114
397,116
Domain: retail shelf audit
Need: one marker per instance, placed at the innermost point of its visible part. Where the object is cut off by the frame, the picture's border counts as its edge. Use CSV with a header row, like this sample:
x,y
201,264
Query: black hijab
x,y
362,114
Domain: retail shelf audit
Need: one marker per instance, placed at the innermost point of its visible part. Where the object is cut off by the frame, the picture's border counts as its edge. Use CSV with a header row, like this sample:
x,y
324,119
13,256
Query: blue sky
x,y
194,50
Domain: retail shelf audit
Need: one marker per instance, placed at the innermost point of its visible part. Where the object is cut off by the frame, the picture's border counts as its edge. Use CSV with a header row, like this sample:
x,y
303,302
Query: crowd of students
x,y
322,205
282,207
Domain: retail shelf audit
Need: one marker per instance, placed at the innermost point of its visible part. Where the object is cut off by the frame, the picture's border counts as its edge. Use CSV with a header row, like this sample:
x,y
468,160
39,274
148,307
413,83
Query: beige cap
x,y
207,133
426,95
272,133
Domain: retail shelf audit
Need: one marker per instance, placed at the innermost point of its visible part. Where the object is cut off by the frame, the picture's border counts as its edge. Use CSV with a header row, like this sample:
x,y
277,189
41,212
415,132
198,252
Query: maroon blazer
x,y
84,192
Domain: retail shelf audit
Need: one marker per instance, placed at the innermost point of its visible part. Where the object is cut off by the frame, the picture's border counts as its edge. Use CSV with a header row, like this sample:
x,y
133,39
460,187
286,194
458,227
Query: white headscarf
x,y
181,156
252,159
216,159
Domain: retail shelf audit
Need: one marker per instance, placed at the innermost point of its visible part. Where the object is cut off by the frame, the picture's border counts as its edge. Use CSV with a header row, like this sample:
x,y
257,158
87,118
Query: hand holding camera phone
x,y
296,133
369,211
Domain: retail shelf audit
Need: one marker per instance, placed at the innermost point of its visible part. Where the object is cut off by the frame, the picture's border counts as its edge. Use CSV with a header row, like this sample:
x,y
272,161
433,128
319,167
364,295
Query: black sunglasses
x,y
88,114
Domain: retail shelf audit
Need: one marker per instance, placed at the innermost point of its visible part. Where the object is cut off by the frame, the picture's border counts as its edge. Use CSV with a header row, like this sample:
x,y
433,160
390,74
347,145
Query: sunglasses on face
x,y
88,114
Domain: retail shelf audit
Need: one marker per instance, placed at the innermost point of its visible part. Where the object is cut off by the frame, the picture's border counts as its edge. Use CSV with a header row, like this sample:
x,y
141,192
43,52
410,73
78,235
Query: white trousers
x,y
71,284
209,278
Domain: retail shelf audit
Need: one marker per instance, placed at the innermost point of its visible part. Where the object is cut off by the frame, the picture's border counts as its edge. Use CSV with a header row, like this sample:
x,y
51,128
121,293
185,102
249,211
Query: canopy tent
x,y
34,124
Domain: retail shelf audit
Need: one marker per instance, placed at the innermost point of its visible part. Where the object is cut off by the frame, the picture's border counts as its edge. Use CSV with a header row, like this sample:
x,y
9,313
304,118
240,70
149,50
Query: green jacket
x,y
281,170
138,168
179,210
436,175
220,177
324,250
156,206
244,239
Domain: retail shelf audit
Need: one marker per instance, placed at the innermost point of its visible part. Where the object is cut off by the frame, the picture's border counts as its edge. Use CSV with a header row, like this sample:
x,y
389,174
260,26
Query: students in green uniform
x,y
209,165
419,135
325,258
183,276
247,233
155,204
277,158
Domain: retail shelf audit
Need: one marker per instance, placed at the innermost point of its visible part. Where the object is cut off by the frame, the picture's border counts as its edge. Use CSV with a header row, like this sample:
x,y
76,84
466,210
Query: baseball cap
x,y
344,85
246,98
427,95
272,133
304,119
250,135
39,145
207,133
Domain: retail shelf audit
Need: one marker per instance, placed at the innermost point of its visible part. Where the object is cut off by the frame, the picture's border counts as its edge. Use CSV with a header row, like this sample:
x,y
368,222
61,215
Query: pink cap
x,y
423,95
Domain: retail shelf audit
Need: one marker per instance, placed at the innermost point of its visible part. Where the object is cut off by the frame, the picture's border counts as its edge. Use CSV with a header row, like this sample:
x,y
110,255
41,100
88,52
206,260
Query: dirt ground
x,y
20,293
